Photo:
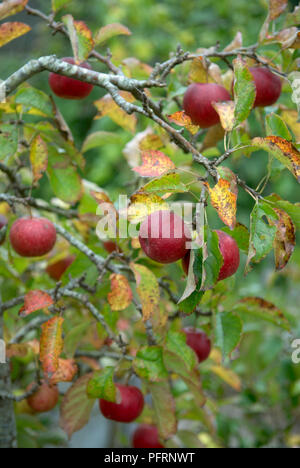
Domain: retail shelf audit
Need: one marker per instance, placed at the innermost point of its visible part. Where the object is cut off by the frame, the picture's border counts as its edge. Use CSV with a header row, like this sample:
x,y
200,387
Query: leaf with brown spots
x,y
283,150
67,369
142,204
155,164
51,346
224,200
11,31
147,289
285,240
183,120
35,300
120,296
276,8
38,157
263,309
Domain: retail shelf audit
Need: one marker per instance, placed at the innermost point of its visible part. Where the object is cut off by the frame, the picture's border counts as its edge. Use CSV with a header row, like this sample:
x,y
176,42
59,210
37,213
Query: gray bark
x,y
8,432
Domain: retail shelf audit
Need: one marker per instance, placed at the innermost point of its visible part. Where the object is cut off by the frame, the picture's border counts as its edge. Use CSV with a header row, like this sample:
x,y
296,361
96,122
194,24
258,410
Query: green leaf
x,y
212,261
242,236
189,304
181,360
262,234
263,309
80,36
30,98
109,31
168,183
149,364
244,91
99,139
64,179
8,141
101,385
276,126
164,408
228,332
59,4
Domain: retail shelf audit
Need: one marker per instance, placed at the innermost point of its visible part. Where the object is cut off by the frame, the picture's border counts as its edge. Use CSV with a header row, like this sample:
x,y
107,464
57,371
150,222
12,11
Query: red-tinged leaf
x,y
35,300
276,8
283,150
107,107
258,307
51,346
147,289
76,407
85,40
11,7
285,240
155,164
183,120
224,200
11,31
38,157
109,31
67,369
120,296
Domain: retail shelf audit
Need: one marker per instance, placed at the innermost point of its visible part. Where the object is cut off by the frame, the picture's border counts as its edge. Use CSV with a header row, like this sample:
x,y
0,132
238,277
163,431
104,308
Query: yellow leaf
x,y
155,164
10,31
147,289
143,204
183,120
107,107
230,377
226,111
38,157
120,296
224,201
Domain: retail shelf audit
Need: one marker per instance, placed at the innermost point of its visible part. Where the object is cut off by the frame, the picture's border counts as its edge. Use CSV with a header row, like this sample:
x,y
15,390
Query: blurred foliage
x,y
266,412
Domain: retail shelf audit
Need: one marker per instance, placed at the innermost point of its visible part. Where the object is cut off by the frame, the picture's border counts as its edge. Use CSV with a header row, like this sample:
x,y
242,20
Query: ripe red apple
x,y
111,246
231,256
44,399
268,86
69,88
146,436
199,342
57,269
32,237
3,223
197,103
130,407
163,237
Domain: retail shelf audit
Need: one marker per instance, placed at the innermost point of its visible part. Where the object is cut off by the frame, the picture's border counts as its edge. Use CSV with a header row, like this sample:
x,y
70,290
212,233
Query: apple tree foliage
x,y
119,317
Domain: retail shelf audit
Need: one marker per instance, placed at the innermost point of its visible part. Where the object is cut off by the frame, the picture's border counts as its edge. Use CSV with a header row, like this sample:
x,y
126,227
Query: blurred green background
x,y
263,414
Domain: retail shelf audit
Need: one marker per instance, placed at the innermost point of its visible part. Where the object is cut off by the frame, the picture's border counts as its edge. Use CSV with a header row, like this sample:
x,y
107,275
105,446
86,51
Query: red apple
x,y
197,103
130,407
32,237
3,223
44,399
163,237
199,342
146,436
57,269
268,86
230,253
70,88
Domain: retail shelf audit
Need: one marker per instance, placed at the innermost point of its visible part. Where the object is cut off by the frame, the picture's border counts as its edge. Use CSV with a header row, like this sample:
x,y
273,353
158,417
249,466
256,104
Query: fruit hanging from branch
x,y
70,88
268,86
32,237
164,237
129,407
44,399
146,436
3,224
197,103
199,342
